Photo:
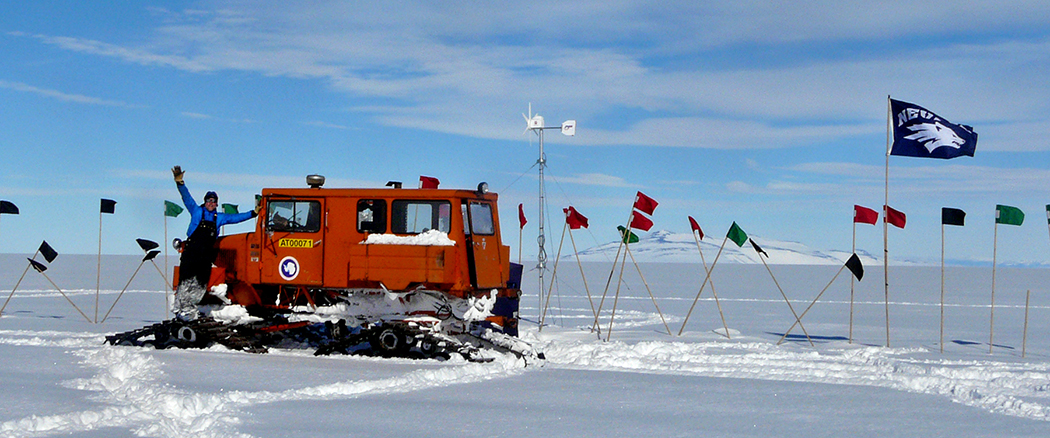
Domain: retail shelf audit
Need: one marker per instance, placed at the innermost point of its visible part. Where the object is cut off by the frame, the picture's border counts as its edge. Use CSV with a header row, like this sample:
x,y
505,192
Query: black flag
x,y
40,267
147,245
952,216
108,206
855,267
758,248
6,207
48,252
151,255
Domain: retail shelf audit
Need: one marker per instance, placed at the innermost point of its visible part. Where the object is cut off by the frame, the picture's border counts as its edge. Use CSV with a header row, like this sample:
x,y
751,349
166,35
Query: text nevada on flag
x,y
918,132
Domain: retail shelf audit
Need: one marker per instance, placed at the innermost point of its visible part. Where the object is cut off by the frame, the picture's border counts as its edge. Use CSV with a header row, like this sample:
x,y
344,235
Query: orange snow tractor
x,y
390,271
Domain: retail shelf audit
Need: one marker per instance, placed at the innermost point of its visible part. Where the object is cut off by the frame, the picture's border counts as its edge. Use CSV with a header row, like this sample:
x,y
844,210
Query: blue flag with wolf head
x,y
918,132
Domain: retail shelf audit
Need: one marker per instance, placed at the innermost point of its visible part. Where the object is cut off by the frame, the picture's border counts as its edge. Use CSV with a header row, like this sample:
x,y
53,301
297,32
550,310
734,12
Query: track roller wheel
x,y
390,342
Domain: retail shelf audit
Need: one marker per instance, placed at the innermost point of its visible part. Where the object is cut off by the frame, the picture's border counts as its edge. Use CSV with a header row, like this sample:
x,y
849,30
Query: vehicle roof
x,y
307,192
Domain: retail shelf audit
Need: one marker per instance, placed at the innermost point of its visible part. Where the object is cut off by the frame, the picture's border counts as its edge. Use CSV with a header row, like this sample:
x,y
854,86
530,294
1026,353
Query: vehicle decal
x,y
288,268
295,243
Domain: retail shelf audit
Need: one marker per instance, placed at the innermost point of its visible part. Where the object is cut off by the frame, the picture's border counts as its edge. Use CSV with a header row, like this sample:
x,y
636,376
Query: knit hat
x,y
211,195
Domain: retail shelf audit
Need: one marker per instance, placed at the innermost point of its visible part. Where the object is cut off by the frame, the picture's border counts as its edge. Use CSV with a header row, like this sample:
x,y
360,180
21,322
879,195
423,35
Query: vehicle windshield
x,y
293,216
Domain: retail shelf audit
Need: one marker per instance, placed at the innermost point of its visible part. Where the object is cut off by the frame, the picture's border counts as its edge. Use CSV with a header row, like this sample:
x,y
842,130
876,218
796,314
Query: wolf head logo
x,y
935,135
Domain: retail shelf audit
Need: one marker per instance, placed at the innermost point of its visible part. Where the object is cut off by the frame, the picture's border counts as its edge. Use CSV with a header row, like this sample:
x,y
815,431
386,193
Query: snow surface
x,y
58,379
426,238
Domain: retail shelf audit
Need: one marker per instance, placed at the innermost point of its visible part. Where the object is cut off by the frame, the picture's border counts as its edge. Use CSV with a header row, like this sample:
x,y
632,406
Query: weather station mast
x,y
534,123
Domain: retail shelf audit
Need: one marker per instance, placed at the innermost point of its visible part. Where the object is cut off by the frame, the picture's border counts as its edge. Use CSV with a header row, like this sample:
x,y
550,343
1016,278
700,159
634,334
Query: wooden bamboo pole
x,y
66,297
17,284
121,294
991,319
706,279
942,287
854,249
554,273
639,269
584,277
717,303
786,300
616,297
98,271
1024,333
803,315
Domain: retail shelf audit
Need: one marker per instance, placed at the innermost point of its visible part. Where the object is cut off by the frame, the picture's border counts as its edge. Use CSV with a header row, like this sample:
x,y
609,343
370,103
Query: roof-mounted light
x,y
315,181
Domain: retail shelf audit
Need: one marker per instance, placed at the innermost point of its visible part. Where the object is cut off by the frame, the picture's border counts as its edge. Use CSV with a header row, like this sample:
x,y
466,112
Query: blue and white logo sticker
x,y
289,268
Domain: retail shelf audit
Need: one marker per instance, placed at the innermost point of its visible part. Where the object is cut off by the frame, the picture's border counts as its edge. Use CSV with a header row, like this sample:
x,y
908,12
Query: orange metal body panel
x,y
331,254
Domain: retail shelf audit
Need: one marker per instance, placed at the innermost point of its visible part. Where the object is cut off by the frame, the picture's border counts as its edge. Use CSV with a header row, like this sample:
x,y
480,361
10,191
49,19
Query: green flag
x,y
1005,214
633,238
172,209
737,235
229,208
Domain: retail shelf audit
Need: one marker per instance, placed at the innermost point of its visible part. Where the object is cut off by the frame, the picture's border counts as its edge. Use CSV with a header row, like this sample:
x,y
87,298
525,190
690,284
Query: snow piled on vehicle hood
x,y
427,238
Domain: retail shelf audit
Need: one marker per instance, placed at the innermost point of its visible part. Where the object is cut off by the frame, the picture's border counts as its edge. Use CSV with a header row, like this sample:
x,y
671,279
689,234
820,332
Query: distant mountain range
x,y
667,247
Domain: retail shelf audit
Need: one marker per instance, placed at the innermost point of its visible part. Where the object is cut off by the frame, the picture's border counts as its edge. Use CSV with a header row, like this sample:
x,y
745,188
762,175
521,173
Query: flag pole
x,y
854,249
1024,333
66,297
885,224
803,315
608,282
165,276
706,279
623,241
639,269
98,270
17,284
786,300
554,273
717,304
619,282
123,290
942,286
585,288
991,322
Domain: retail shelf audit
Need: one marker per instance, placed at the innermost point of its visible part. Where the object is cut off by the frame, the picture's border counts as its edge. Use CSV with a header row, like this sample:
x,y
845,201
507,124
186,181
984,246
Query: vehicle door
x,y
485,245
293,245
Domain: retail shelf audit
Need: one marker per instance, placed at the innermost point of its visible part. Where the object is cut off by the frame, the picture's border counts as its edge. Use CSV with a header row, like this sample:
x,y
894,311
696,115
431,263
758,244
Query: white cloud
x,y
458,67
65,97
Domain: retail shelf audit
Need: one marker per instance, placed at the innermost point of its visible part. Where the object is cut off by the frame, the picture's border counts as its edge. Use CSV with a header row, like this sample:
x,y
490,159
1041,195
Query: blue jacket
x,y
198,213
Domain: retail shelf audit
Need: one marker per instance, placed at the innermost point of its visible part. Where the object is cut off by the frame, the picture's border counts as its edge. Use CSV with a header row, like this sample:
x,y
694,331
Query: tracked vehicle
x,y
381,271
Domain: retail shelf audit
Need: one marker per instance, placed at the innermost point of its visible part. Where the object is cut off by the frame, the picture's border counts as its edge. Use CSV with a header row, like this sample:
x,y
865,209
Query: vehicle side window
x,y
415,217
481,219
371,216
293,216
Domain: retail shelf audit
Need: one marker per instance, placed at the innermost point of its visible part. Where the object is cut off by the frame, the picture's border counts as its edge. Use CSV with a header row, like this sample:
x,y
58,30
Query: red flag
x,y
644,203
575,219
895,217
640,222
865,215
696,227
428,182
521,216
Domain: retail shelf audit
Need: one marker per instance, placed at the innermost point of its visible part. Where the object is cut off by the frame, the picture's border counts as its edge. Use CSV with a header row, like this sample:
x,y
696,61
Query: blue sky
x,y
770,114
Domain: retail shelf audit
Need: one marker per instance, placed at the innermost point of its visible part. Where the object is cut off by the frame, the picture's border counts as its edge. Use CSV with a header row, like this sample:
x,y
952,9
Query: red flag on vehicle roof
x,y
575,219
865,215
521,216
894,217
428,182
696,227
644,203
640,222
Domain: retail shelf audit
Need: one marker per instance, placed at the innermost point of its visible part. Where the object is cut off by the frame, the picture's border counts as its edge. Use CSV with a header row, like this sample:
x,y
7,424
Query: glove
x,y
258,205
178,173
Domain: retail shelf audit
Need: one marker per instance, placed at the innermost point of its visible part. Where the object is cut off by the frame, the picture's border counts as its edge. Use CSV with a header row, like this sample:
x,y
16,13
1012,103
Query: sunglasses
x,y
211,201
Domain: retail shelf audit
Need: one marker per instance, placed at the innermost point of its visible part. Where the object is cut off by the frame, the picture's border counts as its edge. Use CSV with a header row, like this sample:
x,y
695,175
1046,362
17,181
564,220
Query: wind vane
x,y
535,124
